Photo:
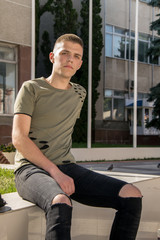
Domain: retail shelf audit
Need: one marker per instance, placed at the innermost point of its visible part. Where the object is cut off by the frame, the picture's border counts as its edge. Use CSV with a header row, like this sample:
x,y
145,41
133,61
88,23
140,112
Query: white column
x,y
89,130
135,78
33,41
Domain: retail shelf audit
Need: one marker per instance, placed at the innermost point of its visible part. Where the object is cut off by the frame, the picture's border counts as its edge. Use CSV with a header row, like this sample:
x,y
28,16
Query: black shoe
x,y
3,208
2,202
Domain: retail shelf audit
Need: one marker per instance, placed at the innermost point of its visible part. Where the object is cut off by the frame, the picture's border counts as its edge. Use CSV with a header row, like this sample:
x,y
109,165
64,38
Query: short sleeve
x,y
25,100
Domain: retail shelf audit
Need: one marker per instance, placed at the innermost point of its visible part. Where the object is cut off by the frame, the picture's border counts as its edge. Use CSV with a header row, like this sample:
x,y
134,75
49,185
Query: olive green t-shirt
x,y
53,115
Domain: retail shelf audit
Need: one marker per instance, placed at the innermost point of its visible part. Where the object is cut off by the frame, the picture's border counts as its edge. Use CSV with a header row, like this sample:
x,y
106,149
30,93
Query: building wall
x,y
119,81
117,14
15,21
15,29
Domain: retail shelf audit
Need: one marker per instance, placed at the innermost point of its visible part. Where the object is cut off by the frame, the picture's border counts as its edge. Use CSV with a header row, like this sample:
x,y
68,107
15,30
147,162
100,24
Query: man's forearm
x,y
31,152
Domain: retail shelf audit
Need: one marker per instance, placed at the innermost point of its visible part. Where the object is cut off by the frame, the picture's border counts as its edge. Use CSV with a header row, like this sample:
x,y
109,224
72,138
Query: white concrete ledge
x,y
93,154
26,221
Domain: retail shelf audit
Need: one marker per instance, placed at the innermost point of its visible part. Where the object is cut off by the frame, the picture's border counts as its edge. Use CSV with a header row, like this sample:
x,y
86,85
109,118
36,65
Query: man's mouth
x,y
68,66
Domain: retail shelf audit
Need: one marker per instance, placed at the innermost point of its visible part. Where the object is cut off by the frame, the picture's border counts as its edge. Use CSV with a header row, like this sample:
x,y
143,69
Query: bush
x,y
7,147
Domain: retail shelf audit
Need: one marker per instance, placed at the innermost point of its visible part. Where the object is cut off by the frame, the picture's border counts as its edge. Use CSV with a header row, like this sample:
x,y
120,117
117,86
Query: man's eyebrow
x,y
77,54
67,51
64,50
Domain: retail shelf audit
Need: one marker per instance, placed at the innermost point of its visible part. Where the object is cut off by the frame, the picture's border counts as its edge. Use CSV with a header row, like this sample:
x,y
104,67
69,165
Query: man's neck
x,y
59,83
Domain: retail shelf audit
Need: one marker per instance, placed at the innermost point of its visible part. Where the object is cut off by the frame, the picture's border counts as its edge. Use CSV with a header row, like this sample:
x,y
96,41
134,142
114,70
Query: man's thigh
x,y
92,188
36,185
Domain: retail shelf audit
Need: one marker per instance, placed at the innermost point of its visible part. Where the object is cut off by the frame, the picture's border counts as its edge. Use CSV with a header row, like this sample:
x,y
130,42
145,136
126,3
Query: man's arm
x,y
21,141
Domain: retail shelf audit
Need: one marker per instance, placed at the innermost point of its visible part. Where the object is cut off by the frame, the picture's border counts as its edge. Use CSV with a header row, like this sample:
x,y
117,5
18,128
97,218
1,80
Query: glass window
x,y
109,28
142,95
7,80
146,1
7,53
120,31
130,117
114,105
108,45
118,46
143,36
118,109
139,117
146,116
132,49
142,51
119,93
107,113
108,93
132,34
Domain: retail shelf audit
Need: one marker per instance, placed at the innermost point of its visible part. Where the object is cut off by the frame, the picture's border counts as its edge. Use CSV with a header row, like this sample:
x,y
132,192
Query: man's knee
x,y
61,198
130,200
129,190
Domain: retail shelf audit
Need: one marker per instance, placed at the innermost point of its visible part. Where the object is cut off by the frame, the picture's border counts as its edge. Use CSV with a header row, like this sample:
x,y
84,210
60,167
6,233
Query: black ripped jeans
x,y
91,188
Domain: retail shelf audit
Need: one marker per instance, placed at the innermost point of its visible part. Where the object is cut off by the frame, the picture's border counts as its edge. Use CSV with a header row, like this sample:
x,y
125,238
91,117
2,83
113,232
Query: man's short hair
x,y
69,37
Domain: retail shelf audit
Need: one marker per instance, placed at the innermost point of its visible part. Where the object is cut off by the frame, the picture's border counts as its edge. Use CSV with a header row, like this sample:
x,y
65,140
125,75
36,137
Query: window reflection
x,y
132,49
118,109
114,105
118,47
107,113
108,48
118,43
7,80
142,49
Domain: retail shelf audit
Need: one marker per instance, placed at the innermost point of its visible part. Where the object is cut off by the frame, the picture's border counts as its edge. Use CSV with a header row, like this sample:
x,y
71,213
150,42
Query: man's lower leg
x,y
126,222
58,222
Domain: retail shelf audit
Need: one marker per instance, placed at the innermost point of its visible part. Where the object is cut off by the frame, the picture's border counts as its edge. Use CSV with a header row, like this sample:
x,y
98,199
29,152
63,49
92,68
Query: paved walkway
x,y
134,166
130,171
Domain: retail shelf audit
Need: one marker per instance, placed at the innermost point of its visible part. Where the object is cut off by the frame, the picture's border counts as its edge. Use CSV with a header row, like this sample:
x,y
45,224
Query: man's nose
x,y
70,58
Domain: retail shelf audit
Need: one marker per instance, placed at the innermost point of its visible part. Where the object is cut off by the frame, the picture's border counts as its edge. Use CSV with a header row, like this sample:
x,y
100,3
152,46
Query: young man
x,y
45,113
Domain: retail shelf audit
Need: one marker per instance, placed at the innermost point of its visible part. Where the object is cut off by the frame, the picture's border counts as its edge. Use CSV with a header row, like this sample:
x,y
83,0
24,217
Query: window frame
x,y
113,96
126,37
14,62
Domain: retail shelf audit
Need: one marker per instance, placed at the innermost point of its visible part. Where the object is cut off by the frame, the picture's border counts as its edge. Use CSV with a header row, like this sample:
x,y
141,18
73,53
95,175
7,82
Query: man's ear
x,y
51,57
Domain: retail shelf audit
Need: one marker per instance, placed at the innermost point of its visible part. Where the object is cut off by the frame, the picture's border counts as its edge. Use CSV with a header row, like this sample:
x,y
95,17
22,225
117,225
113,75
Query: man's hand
x,y
65,182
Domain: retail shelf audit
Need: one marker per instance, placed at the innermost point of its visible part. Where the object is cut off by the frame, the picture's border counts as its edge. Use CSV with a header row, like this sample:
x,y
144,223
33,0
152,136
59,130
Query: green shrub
x,y
7,147
7,183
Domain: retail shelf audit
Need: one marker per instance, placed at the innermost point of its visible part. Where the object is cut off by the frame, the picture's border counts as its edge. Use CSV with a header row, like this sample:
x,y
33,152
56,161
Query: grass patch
x,y
104,145
98,145
7,183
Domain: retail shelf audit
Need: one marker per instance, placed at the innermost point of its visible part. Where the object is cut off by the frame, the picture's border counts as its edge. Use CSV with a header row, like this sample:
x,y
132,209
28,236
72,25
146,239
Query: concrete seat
x,y
27,221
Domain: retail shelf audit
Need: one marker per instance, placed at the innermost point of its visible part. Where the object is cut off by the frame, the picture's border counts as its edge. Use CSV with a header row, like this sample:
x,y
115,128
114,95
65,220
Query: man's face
x,y
66,58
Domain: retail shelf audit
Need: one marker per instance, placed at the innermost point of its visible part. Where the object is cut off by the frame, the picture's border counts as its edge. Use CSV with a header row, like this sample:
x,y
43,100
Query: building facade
x,y
15,58
114,122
